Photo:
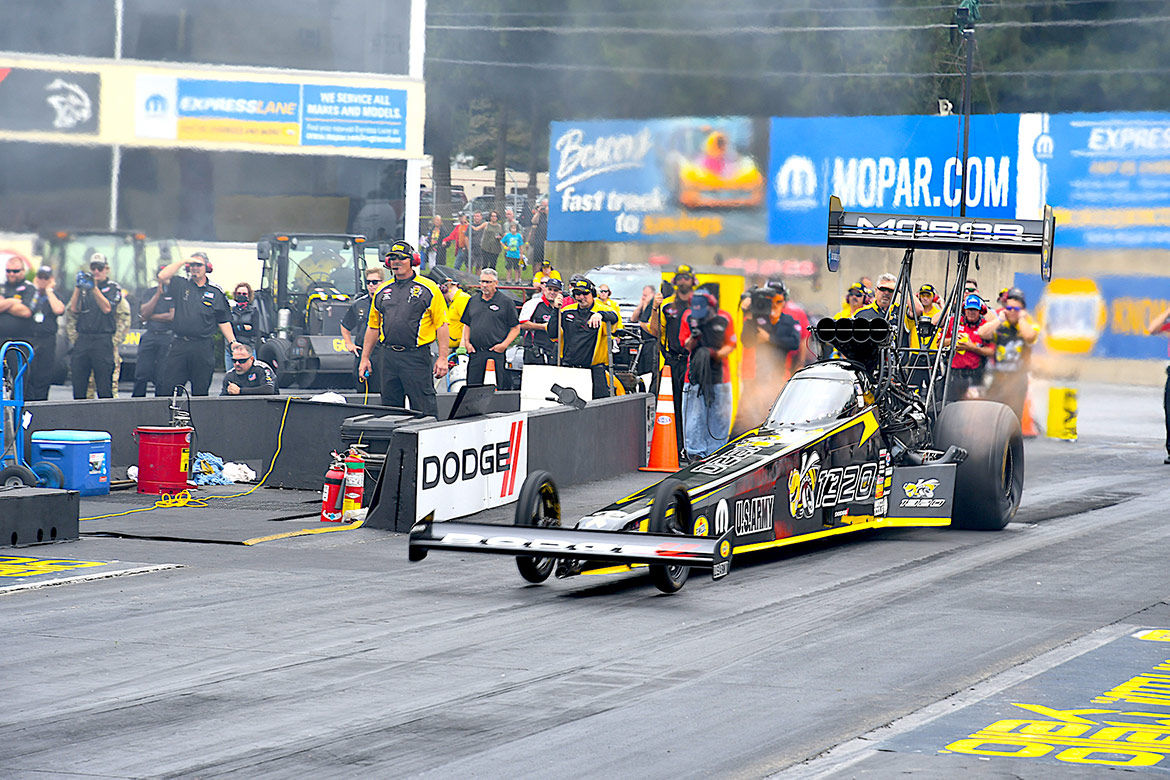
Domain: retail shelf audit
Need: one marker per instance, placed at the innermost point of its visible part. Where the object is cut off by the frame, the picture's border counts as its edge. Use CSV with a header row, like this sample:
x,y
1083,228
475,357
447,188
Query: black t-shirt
x,y
672,312
489,321
260,379
198,310
90,318
11,326
166,302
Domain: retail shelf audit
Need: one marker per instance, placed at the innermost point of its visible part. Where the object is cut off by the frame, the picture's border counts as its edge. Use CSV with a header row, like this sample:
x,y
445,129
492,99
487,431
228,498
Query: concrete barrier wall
x,y
606,438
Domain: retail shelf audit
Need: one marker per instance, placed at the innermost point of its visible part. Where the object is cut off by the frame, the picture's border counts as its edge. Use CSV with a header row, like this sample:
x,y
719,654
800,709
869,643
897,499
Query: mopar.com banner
x,y
269,113
1107,176
1101,316
466,467
892,164
662,180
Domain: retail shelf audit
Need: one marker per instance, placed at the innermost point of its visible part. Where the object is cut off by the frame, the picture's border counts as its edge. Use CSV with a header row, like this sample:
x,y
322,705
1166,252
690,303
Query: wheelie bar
x,y
574,543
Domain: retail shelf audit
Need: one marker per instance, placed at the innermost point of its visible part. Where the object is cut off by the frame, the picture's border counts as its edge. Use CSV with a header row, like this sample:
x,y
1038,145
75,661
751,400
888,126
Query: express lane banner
x,y
1107,176
891,164
680,180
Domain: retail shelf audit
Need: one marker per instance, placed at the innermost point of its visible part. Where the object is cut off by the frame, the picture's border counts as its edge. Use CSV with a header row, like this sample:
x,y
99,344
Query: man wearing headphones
x,y
200,308
408,317
585,325
708,334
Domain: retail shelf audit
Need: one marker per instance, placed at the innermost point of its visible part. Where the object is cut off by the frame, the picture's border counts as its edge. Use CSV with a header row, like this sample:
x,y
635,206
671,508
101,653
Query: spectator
x,y
772,338
244,318
354,324
855,299
867,285
582,334
433,244
707,333
1012,337
475,242
512,242
489,251
407,316
46,308
490,324
201,308
1161,324
642,314
94,298
971,352
604,300
16,301
538,233
545,271
248,376
158,315
534,318
458,235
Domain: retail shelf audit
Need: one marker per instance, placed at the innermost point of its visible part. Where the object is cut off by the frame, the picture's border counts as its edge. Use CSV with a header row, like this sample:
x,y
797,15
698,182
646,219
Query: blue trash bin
x,y
82,456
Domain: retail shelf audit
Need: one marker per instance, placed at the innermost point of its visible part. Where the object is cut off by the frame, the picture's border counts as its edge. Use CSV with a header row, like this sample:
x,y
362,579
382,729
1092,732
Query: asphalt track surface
x,y
332,656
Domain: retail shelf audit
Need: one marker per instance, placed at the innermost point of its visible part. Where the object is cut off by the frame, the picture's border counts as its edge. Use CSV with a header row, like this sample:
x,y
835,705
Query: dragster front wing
x,y
618,547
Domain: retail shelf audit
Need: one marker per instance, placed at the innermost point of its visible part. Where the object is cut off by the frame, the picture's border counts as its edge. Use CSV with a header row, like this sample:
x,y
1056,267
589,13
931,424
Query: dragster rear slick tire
x,y
670,494
538,505
990,481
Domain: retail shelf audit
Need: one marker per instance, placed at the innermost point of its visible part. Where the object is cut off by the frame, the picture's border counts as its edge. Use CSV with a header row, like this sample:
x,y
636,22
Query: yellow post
x,y
1062,413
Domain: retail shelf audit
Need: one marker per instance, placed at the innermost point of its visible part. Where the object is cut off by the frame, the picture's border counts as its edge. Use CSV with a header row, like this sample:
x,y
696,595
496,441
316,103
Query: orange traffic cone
x,y
489,377
1028,425
664,444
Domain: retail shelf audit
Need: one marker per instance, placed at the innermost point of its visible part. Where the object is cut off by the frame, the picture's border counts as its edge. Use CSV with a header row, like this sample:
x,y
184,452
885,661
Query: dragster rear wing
x,y
573,543
903,231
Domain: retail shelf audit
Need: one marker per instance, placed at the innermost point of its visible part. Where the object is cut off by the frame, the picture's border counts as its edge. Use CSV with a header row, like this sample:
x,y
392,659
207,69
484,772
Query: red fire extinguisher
x,y
355,481
331,495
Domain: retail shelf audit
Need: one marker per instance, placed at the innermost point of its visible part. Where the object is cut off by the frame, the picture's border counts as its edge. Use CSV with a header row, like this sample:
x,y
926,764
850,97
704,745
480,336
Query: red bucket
x,y
164,458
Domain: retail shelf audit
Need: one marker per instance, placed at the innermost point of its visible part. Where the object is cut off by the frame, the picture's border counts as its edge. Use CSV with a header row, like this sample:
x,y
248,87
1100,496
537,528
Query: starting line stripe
x,y
305,532
6,589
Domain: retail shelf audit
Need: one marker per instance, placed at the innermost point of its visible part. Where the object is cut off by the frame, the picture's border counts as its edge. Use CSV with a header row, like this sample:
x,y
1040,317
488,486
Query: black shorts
x,y
512,263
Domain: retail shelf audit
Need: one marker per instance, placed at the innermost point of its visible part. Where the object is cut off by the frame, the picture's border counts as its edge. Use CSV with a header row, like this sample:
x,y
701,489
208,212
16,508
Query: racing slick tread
x,y
990,481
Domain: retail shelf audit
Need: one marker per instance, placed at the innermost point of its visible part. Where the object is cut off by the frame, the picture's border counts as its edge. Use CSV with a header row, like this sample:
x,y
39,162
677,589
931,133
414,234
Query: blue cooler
x,y
82,456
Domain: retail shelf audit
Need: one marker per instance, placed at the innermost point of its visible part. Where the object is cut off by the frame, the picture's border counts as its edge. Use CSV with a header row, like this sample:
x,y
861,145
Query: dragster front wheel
x,y
670,513
538,505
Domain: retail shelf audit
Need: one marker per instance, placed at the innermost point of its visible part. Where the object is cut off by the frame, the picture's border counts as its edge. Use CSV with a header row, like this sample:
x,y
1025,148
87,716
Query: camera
x,y
85,280
925,329
761,301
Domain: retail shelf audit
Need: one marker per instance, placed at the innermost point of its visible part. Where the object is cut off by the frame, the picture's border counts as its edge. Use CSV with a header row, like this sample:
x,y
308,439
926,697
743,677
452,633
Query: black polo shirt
x,y
90,318
671,314
541,314
198,310
11,326
490,321
357,317
166,302
44,320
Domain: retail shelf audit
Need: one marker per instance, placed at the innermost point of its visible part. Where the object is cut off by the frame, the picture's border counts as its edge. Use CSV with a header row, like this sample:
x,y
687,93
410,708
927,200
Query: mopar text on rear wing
x,y
973,234
575,544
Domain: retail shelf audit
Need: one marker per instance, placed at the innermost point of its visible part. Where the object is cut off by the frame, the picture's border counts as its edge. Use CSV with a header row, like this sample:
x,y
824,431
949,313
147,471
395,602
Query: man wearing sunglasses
x,y
1012,337
16,302
200,308
248,376
583,331
855,298
354,321
93,302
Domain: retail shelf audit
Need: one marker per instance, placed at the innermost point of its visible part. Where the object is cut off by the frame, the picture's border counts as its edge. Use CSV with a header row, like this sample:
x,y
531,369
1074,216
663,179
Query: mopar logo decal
x,y
721,517
936,228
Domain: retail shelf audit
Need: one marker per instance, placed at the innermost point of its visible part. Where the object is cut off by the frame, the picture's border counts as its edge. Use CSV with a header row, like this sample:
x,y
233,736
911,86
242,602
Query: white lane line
x,y
104,575
835,760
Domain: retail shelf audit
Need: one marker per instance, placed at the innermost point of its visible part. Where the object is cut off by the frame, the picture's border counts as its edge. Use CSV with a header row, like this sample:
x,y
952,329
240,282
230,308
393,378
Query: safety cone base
x,y
664,443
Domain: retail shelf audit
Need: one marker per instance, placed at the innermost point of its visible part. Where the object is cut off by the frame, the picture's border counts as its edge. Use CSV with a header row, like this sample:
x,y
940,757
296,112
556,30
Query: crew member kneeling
x,y
709,337
248,376
408,316
583,329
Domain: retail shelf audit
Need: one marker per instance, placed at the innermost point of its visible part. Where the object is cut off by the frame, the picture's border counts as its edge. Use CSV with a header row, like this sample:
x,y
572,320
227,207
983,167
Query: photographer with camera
x,y
771,340
95,296
708,335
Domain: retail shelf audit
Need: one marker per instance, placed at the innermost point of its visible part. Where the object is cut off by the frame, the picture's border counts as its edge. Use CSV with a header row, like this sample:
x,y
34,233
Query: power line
x,y
720,31
758,75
